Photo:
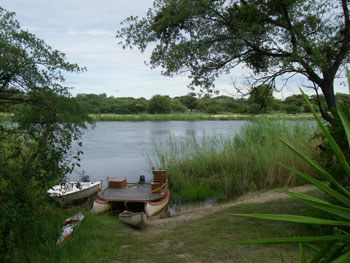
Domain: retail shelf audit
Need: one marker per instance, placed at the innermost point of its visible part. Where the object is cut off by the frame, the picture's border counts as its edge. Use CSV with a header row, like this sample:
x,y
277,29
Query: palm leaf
x,y
345,121
321,205
338,152
296,219
325,188
302,254
318,168
323,252
285,240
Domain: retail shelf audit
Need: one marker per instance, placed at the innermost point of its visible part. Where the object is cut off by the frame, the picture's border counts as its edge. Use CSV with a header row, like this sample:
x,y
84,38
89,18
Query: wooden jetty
x,y
118,190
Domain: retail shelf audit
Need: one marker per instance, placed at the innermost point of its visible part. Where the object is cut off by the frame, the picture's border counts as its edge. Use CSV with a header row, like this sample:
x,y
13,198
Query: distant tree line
x,y
257,102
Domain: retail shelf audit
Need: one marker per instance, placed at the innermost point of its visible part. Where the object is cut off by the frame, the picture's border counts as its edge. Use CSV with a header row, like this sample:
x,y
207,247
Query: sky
x,y
85,31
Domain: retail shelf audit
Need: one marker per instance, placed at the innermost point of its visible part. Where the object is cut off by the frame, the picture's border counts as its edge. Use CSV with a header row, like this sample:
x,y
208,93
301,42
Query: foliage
x,y
36,152
262,97
274,38
337,246
291,109
159,104
226,167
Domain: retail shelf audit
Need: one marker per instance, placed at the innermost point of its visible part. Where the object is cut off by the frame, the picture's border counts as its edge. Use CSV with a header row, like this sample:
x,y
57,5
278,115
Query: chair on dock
x,y
159,179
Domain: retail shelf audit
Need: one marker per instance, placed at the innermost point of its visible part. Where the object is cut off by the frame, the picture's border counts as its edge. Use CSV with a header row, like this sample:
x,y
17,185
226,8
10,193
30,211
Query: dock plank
x,y
130,193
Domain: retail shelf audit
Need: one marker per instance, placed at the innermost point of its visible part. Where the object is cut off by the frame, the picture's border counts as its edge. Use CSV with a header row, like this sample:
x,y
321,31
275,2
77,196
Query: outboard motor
x,y
142,179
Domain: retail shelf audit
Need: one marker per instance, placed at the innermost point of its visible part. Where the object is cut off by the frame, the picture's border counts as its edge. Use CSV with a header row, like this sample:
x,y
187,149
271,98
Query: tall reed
x,y
228,166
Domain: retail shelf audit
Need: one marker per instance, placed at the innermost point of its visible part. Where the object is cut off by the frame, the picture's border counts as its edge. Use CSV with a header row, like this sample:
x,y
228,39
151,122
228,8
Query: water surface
x,y
119,148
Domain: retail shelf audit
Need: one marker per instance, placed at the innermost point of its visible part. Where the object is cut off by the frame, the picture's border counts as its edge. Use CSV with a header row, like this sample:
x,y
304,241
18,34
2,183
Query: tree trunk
x,y
328,92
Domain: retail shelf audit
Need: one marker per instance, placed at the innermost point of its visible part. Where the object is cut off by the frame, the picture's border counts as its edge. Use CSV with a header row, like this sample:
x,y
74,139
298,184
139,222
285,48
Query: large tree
x,y
274,38
34,153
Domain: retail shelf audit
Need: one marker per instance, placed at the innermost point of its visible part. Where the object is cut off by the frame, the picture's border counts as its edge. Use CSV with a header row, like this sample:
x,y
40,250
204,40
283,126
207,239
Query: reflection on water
x,y
119,148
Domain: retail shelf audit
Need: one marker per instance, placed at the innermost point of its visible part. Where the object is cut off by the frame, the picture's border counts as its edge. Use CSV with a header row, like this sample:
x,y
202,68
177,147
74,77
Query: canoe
x,y
152,208
137,219
73,191
68,227
99,207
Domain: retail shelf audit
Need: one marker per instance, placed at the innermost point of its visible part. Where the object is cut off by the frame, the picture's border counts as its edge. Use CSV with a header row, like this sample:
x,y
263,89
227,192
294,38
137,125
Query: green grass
x,y
226,167
194,116
209,239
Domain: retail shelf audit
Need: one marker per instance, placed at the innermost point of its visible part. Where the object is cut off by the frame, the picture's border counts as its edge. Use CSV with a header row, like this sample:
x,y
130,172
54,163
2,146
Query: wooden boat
x,y
151,197
100,206
72,191
134,219
153,208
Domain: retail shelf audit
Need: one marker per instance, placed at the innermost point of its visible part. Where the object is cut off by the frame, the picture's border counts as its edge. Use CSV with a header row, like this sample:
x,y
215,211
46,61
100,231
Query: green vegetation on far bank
x,y
226,167
196,116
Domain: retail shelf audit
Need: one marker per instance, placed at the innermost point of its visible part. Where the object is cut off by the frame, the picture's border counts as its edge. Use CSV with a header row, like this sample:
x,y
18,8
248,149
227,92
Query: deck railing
x,y
161,189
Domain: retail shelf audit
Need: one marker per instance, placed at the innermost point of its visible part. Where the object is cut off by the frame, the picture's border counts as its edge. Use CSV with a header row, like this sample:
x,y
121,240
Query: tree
x,y
262,97
35,153
274,38
159,104
190,101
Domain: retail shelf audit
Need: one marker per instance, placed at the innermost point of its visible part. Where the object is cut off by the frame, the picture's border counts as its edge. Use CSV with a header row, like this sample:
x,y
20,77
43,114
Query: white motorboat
x,y
69,192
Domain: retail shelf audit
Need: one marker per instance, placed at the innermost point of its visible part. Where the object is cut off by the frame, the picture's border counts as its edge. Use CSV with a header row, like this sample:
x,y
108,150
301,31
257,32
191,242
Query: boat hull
x,y
99,207
133,219
152,208
64,197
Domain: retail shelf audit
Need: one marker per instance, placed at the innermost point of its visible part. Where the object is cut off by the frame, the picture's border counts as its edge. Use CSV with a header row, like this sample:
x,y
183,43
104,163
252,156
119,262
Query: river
x,y
119,148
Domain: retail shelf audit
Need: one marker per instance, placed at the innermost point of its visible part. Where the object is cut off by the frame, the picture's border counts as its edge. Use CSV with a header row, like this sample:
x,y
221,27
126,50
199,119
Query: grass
x,y
226,167
194,116
209,239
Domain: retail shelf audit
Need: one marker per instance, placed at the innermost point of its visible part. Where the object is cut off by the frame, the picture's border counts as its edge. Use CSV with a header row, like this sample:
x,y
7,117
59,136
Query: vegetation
x,y
36,152
228,167
256,103
336,212
273,38
209,239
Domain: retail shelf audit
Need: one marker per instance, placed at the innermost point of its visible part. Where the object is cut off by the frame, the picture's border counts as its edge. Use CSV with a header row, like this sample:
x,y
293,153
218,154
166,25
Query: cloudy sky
x,y
85,31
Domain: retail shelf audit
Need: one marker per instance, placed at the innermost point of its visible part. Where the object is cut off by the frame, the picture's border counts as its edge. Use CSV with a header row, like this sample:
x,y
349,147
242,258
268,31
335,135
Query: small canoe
x,y
99,207
68,227
152,208
134,219
73,191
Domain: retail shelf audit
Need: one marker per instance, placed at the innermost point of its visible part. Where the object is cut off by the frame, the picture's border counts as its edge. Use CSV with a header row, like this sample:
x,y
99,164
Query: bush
x,y
291,109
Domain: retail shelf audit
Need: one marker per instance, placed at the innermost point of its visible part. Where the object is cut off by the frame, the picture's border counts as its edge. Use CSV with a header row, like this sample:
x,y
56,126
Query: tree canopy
x,y
274,38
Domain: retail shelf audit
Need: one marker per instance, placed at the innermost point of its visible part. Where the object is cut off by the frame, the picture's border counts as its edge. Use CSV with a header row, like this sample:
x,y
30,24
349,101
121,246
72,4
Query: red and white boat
x,y
152,197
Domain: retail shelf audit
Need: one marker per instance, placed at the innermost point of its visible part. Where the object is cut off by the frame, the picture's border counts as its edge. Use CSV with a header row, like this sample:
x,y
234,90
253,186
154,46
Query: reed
x,y
226,167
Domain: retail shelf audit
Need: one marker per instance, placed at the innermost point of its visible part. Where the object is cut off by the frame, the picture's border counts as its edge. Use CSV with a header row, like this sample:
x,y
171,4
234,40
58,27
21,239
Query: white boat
x,y
152,208
137,219
69,192
100,206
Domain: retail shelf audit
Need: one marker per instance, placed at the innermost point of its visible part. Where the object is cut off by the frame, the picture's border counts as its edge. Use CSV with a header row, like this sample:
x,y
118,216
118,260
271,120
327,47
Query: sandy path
x,y
156,225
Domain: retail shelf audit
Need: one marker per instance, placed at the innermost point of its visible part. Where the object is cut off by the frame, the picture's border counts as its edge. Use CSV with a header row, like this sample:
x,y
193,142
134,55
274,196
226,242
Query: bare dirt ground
x,y
156,225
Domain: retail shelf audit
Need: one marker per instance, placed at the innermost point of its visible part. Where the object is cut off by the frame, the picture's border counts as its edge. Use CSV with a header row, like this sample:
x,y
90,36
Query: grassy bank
x,y
226,167
194,116
209,239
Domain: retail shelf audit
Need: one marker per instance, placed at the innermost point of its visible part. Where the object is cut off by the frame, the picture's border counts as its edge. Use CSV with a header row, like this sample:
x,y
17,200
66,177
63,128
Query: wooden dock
x,y
130,193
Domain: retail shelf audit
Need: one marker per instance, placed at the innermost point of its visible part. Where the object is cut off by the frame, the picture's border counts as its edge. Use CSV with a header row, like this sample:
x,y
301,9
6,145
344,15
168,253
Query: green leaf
x,y
296,219
286,240
338,152
321,205
346,123
345,258
323,252
318,168
320,185
302,253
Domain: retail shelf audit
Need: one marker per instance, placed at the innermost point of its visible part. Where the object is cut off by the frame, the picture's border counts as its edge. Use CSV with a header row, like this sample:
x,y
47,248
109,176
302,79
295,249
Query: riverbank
x,y
195,116
203,236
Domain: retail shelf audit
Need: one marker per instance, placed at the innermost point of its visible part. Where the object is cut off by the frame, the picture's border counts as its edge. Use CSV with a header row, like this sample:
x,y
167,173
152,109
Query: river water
x,y
120,148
